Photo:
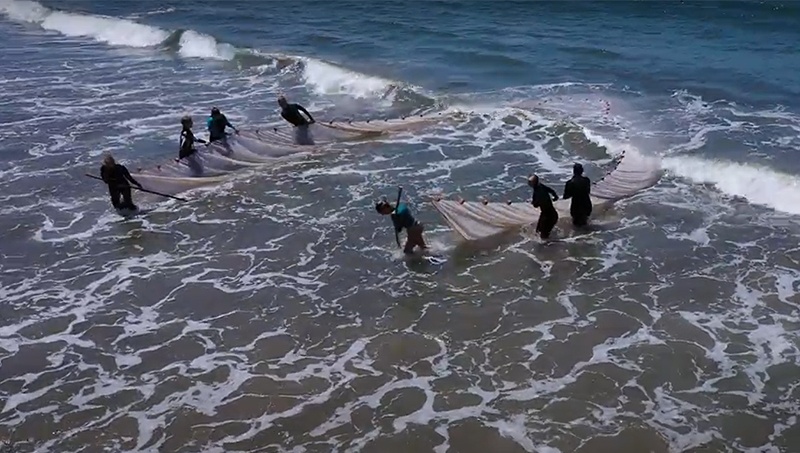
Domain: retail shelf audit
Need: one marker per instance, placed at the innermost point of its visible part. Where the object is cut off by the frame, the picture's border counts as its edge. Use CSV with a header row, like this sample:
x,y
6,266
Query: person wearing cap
x,y
579,189
541,198
291,113
216,124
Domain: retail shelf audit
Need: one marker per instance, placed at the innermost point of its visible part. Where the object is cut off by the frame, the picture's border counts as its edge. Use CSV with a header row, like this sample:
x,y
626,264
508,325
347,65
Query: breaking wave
x,y
321,77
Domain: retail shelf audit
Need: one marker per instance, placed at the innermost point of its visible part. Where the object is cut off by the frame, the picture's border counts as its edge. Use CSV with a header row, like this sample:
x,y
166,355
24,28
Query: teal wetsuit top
x,y
402,218
216,127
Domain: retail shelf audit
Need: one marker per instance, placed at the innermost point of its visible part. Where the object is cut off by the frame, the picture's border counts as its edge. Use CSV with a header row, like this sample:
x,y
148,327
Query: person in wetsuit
x,y
187,150
548,216
403,219
119,182
291,113
216,125
579,188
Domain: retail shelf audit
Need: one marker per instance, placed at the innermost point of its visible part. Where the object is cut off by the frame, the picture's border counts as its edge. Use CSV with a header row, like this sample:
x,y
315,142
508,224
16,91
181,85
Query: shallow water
x,y
273,312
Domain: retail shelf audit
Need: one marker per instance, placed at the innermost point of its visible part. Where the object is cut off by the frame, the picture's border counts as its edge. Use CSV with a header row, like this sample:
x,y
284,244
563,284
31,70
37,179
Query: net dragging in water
x,y
253,148
475,220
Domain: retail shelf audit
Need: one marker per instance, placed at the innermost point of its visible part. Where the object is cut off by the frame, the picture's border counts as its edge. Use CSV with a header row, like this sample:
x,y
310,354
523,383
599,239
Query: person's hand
x,y
236,131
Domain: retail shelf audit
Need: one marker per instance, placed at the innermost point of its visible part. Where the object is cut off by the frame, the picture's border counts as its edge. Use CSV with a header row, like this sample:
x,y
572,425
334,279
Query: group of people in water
x,y
119,179
578,188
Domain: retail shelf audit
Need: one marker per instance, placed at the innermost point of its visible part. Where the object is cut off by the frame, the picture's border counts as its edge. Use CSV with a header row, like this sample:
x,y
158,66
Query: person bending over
x,y
403,219
548,216
291,113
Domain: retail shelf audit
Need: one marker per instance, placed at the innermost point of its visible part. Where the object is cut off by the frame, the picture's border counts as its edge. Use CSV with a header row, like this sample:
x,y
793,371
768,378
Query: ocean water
x,y
274,313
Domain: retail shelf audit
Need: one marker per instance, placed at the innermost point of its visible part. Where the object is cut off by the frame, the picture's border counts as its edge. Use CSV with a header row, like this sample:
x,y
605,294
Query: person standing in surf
x,y
291,113
403,219
119,182
216,124
579,188
187,150
548,216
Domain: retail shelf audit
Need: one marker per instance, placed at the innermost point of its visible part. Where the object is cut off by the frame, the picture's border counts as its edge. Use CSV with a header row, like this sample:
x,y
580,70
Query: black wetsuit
x,y
548,216
216,127
119,181
187,144
579,189
291,113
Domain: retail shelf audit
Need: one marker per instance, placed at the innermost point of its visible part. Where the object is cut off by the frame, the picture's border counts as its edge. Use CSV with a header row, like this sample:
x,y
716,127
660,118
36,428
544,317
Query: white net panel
x,y
251,148
634,172
474,220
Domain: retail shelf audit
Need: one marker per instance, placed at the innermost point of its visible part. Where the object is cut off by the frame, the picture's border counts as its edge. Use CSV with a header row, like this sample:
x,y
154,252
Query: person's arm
x,y
303,109
552,192
104,174
228,123
181,140
199,140
130,178
568,190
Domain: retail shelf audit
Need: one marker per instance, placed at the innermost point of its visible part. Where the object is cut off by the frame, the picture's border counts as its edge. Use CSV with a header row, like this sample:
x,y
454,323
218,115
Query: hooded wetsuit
x,y
579,188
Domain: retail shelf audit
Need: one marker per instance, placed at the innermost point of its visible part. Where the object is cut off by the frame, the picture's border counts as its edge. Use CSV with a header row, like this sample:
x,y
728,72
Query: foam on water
x,y
321,77
756,183
272,311
110,30
329,79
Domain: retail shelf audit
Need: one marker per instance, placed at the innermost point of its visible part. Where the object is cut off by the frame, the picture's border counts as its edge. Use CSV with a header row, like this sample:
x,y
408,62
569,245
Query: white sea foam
x,y
330,79
758,184
113,30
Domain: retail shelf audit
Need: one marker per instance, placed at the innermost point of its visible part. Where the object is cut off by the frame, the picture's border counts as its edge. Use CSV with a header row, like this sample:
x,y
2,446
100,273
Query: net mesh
x,y
213,163
474,220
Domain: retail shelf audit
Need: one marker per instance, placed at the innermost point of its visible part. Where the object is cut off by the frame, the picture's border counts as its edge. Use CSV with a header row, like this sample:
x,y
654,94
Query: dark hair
x,y
382,204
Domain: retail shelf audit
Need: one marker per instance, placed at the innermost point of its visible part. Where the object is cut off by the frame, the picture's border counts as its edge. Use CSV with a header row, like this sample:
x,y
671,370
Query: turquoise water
x,y
272,312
